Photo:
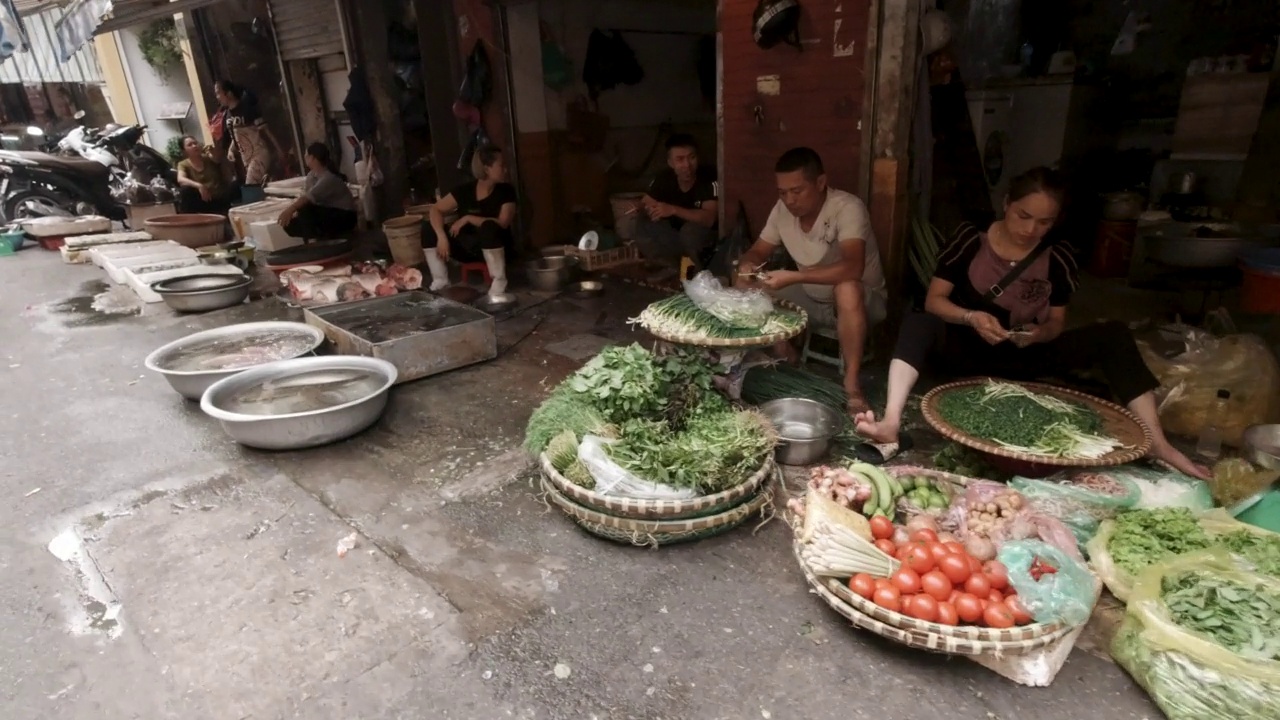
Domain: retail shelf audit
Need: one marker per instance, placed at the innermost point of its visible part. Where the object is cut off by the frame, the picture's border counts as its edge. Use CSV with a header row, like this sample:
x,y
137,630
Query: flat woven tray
x,y
654,533
644,509
1117,422
748,342
922,639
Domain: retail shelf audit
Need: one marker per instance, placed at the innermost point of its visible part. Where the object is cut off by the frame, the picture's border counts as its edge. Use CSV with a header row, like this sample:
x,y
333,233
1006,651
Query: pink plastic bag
x,y
1024,524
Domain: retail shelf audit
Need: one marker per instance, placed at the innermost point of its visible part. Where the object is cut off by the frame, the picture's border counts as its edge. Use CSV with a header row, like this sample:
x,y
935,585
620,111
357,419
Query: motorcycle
x,y
36,184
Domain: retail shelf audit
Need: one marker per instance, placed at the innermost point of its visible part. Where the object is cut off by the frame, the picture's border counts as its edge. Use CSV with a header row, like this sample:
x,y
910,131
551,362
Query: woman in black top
x,y
977,323
485,209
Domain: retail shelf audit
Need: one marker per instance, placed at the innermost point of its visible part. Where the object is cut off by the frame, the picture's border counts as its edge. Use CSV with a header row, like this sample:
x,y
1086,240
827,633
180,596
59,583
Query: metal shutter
x,y
306,28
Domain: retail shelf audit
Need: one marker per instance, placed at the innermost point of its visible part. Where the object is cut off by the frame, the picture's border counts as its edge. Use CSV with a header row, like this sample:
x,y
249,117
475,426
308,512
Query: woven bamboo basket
x,y
748,342
654,533
1117,422
923,639
645,509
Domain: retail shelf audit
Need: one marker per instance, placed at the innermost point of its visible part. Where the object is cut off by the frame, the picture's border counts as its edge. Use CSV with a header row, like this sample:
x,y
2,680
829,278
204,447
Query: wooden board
x,y
1218,115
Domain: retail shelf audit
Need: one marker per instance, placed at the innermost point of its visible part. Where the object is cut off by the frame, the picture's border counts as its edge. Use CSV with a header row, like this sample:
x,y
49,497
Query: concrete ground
x,y
151,568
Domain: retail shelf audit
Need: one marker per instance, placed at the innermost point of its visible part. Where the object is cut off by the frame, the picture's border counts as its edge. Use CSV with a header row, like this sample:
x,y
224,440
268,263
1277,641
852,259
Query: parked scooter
x,y
36,184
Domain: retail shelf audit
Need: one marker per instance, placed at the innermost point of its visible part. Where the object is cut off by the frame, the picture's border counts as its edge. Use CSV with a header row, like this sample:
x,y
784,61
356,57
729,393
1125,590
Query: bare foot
x,y
857,404
881,431
1180,462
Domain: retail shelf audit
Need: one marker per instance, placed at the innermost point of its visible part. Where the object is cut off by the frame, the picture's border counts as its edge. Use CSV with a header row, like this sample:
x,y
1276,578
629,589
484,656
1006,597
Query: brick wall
x,y
818,100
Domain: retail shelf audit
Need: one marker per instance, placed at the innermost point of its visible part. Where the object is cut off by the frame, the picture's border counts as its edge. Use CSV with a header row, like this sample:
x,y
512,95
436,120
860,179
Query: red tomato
x,y
924,608
955,547
917,558
977,585
968,607
906,580
996,574
955,593
883,583
888,598
974,565
997,615
996,596
947,614
938,551
863,584
955,568
924,535
936,584
886,547
1020,614
881,527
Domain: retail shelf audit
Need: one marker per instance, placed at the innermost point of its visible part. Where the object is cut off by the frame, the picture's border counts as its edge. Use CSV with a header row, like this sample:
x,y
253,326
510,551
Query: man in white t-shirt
x,y
840,281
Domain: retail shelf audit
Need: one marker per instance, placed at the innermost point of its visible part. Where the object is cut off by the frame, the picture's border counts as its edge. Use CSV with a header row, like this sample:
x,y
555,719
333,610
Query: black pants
x,y
189,201
957,350
659,241
317,222
472,241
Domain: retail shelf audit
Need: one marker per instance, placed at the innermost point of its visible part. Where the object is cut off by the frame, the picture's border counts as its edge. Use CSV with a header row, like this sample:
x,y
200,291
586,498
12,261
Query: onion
x,y
901,535
923,521
980,548
946,537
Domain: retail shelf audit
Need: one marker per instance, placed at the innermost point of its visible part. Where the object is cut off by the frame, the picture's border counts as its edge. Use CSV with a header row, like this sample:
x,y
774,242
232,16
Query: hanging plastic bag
x,y
1053,586
739,308
1079,498
1189,384
1189,674
613,479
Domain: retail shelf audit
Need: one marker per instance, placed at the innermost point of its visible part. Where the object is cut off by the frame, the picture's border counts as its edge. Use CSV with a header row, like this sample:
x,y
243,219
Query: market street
x,y
200,580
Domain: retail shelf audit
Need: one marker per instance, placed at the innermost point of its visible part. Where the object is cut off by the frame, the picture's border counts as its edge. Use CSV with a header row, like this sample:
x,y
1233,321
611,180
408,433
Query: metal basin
x,y
550,274
193,363
1201,245
202,293
586,289
805,429
1262,446
336,397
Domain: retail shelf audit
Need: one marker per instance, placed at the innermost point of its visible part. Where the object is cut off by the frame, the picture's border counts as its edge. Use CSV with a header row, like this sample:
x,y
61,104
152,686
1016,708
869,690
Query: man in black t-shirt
x,y
679,214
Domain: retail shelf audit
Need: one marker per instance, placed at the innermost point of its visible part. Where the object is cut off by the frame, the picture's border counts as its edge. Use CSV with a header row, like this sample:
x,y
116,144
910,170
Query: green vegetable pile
x,y
1143,537
1244,619
1262,551
717,450
1022,420
678,315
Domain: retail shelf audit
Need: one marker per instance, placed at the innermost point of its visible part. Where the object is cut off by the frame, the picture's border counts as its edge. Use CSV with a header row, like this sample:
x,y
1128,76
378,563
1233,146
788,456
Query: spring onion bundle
x,y
1016,418
836,541
678,315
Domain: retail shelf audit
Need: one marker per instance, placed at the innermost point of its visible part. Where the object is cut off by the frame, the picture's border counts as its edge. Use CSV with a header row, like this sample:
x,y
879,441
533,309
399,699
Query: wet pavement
x,y
151,568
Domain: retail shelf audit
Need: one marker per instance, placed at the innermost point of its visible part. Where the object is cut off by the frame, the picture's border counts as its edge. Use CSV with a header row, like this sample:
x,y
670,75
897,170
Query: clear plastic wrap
x,y
1166,488
1024,522
1189,384
1186,673
739,308
1079,498
612,479
1064,595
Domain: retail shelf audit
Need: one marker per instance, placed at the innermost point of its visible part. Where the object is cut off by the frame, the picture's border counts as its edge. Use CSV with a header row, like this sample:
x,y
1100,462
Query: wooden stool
x,y
468,268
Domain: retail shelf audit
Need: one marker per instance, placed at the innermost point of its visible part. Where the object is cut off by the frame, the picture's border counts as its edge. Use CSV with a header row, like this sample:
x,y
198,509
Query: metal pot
x,y
191,384
202,293
296,431
1177,245
1121,206
550,274
805,429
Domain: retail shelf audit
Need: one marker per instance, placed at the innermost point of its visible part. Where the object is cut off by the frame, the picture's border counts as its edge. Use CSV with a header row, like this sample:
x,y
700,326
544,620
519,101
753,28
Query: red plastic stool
x,y
475,267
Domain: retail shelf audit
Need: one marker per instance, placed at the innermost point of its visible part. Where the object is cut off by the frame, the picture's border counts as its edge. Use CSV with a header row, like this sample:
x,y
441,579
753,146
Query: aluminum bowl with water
x,y
301,403
193,363
805,429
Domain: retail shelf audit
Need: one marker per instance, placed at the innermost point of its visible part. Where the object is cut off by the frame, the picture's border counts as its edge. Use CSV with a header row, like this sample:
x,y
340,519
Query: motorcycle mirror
x,y
35,131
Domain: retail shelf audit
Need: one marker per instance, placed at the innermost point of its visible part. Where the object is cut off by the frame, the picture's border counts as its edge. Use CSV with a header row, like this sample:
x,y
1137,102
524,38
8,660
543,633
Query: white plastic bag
x,y
739,308
612,479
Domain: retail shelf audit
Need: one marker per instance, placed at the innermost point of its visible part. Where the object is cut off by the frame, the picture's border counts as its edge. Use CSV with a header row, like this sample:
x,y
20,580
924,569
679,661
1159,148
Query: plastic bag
x,y
1077,499
1235,480
612,479
1187,674
1023,524
1189,384
1064,595
739,308
1165,488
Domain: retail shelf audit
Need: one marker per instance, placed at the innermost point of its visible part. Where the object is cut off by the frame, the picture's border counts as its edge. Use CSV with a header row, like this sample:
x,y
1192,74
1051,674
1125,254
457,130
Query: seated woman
x,y
485,209
981,319
325,209
202,181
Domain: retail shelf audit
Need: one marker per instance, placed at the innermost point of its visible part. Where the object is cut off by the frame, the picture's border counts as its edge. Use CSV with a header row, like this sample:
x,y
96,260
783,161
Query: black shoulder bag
x,y
998,289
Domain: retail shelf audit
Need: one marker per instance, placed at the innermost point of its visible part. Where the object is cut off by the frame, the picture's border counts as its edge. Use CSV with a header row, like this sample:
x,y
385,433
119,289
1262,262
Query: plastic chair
x,y
470,268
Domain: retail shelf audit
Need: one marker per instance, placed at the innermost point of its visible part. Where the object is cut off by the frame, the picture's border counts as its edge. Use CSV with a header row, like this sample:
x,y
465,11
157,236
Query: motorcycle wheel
x,y
35,203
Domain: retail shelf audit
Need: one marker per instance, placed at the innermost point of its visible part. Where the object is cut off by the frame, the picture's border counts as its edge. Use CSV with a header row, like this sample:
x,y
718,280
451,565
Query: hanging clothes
x,y
13,37
610,62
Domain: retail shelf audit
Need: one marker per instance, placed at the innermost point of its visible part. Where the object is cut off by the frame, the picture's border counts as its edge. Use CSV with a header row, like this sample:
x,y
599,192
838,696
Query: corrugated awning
x,y
86,18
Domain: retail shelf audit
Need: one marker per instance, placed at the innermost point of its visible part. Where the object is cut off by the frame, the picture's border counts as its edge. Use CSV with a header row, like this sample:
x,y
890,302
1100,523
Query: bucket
x,y
624,220
1260,291
1261,510
404,237
1113,248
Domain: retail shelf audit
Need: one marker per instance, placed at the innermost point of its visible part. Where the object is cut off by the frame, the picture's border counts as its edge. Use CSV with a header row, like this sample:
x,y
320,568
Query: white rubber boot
x,y
439,271
496,261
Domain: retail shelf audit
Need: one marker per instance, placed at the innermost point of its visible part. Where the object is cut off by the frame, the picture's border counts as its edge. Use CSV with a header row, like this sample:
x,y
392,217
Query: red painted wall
x,y
819,101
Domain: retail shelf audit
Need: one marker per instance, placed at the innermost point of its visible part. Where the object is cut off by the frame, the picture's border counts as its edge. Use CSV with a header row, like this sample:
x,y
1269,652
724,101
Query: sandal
x,y
880,453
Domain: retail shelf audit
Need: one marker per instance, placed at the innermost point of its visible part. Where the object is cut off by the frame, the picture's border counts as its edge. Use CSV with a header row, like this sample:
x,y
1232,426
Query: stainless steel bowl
x,y
296,431
550,274
805,429
1262,446
191,384
202,293
495,303
586,289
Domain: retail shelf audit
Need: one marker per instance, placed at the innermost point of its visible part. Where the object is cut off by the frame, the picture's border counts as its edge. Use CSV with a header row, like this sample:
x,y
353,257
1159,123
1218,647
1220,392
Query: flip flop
x,y
881,453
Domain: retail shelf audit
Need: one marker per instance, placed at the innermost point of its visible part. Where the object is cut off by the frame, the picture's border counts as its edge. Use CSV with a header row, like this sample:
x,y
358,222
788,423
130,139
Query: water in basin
x,y
794,430
229,353
308,391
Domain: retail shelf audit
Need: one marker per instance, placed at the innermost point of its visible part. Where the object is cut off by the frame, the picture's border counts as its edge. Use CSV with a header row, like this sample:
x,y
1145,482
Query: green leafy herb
x,y
1242,618
718,449
1008,414
1143,537
1263,551
562,410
